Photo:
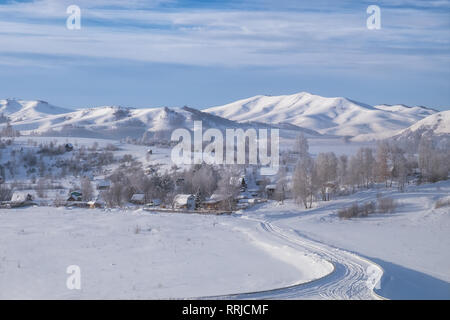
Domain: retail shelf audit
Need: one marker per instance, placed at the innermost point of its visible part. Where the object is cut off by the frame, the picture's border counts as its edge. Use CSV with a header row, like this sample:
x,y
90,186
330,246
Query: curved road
x,y
348,280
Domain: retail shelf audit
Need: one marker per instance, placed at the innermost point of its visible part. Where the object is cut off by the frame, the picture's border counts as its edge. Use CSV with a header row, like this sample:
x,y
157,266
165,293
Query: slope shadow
x,y
399,283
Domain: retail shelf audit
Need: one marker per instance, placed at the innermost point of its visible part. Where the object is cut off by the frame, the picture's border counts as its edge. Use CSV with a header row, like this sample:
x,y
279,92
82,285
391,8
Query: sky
x,y
173,53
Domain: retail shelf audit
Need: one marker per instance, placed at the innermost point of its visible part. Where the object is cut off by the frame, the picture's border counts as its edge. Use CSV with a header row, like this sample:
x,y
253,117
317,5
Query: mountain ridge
x,y
301,112
336,116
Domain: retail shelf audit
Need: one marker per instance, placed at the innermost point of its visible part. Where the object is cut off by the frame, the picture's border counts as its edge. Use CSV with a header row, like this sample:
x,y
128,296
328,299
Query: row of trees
x,y
8,130
387,164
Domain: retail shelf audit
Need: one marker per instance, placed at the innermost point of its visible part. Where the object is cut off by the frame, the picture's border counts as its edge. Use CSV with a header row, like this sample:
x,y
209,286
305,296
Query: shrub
x,y
386,205
351,212
368,208
356,210
111,147
5,193
443,202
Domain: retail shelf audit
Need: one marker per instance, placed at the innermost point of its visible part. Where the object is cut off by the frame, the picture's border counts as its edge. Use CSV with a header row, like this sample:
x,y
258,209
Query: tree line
x,y
386,164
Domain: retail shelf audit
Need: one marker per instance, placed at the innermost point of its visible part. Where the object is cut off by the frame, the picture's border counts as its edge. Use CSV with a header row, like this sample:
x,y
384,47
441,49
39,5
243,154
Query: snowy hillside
x,y
41,118
22,110
436,124
435,128
337,116
303,112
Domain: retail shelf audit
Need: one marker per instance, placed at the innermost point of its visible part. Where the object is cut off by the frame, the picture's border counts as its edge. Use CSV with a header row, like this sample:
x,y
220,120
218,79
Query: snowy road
x,y
348,280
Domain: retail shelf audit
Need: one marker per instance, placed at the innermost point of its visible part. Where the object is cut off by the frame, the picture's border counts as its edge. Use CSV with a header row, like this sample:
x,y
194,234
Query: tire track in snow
x,y
348,280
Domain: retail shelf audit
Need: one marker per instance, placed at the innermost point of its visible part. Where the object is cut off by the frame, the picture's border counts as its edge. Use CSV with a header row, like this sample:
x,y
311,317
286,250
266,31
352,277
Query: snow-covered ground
x,y
411,245
137,255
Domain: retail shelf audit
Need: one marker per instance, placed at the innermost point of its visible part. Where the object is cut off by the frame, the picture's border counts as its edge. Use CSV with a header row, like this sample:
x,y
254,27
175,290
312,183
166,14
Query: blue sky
x,y
205,53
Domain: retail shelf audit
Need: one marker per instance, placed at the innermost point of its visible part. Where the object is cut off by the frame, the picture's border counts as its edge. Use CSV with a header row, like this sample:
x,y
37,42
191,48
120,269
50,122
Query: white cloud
x,y
224,37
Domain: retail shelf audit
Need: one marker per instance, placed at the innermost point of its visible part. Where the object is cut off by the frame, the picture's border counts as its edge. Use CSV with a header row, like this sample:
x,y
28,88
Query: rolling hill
x,y
333,116
116,122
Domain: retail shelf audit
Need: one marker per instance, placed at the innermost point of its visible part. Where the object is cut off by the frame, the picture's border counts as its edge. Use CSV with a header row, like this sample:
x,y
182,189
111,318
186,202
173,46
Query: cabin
x,y
179,182
245,203
184,201
271,190
68,147
153,203
211,204
75,196
20,197
103,184
138,198
253,192
260,182
217,202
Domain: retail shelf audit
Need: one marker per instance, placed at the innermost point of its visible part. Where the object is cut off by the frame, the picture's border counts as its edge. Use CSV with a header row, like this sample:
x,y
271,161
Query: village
x,y
66,173
98,171
190,203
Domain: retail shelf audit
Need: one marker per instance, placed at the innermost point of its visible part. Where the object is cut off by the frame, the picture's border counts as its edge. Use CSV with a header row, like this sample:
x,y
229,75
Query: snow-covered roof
x,y
103,183
271,186
138,197
156,202
217,197
183,198
22,196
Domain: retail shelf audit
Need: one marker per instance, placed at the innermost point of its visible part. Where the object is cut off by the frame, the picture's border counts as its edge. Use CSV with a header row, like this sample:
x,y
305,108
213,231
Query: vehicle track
x,y
348,280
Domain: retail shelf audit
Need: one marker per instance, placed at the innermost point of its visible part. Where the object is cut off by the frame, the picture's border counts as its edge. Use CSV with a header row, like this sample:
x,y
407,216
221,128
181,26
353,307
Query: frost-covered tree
x,y
301,145
227,188
326,172
382,167
87,189
281,186
342,170
304,182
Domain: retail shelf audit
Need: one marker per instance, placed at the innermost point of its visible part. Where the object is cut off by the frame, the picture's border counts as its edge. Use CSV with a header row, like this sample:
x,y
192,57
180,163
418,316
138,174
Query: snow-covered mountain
x,y
435,129
41,118
303,112
29,110
336,116
436,126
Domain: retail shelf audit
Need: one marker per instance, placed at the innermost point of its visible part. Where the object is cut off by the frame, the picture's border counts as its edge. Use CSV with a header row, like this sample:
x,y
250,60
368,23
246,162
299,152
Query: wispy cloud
x,y
148,31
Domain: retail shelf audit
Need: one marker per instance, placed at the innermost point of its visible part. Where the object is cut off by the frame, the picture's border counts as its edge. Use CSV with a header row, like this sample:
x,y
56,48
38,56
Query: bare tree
x,y
342,170
399,167
382,169
227,188
301,145
87,190
326,172
433,162
5,193
304,182
114,196
41,186
281,187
